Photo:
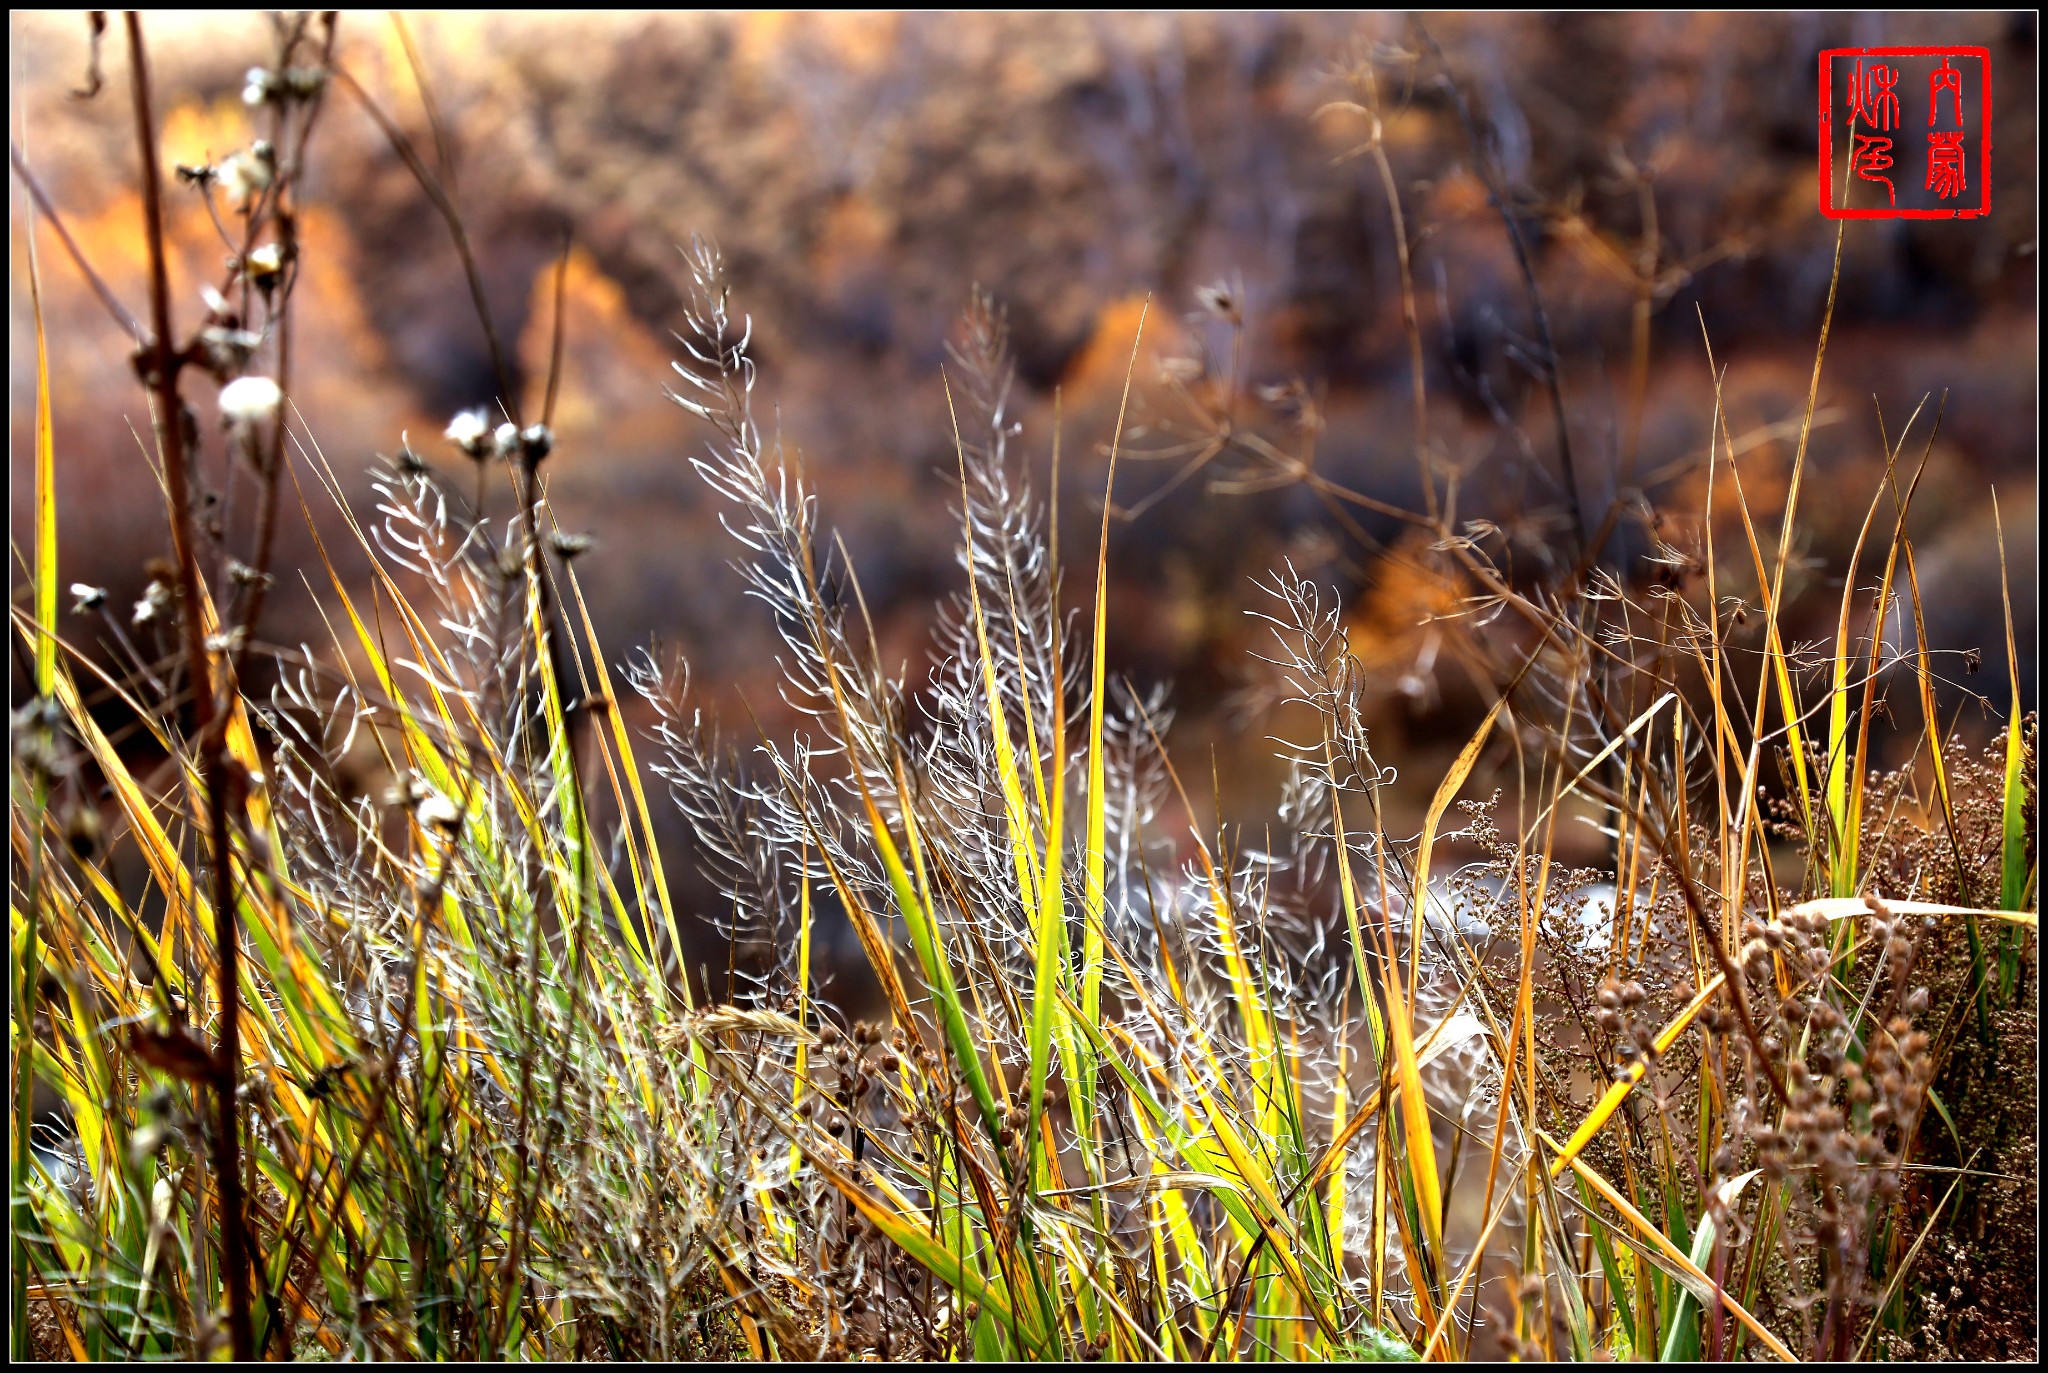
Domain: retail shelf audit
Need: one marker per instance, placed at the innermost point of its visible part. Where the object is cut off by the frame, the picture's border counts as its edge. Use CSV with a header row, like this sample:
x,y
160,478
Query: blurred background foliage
x,y
863,172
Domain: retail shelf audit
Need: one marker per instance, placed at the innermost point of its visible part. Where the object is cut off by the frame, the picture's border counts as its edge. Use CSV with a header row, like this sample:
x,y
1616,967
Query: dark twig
x,y
1553,368
96,20
444,150
93,279
161,367
547,413
439,196
288,240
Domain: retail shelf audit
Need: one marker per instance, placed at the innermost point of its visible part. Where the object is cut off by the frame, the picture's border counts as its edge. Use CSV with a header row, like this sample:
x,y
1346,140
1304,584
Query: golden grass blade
x,y
1924,671
1837,760
1334,1200
1465,1276
1347,884
1610,1101
1833,909
938,969
1049,925
1094,858
628,769
1778,658
903,1229
166,867
1449,1032
46,488
1838,908
1603,755
1702,1286
1420,1153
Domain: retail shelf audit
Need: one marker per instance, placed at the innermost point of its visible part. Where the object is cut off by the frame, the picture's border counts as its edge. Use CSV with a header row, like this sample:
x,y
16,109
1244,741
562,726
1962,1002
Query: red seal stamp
x,y
1905,133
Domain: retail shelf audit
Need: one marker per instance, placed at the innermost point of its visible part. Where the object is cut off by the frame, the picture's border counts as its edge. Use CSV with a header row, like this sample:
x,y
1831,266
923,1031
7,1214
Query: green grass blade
x,y
2015,879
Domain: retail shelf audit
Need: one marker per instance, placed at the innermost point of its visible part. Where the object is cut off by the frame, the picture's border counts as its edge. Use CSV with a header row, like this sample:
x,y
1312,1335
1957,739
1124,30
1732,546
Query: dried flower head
x,y
1220,301
303,83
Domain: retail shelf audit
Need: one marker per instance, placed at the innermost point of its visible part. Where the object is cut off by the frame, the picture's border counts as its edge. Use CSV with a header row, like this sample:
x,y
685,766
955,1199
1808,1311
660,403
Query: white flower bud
x,y
437,813
244,176
467,430
156,600
146,1140
266,261
246,400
